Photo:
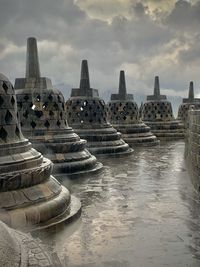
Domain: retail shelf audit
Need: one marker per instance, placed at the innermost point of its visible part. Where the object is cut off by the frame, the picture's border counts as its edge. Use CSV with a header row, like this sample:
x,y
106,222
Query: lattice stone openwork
x,y
87,114
123,114
43,119
157,113
29,196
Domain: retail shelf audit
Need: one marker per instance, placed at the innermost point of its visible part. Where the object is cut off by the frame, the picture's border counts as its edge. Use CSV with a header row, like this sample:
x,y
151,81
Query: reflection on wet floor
x,y
142,211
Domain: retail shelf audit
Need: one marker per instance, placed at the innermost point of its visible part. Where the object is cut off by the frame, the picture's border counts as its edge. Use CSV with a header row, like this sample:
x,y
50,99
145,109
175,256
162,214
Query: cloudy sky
x,y
143,37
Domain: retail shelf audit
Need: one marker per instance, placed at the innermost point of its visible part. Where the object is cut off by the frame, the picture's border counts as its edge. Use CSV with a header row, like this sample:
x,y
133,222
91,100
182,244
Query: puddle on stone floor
x,y
141,211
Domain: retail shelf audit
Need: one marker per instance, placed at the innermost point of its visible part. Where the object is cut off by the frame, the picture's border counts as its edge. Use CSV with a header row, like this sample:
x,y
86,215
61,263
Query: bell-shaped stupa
x,y
157,113
186,104
123,114
29,196
43,119
86,113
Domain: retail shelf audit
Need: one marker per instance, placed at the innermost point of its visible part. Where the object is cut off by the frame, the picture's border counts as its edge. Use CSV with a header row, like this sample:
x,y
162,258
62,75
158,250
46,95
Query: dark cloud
x,y
139,9
185,16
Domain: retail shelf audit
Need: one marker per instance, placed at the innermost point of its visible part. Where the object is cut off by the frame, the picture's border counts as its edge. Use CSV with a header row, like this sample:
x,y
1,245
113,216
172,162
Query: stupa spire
x,y
191,91
122,85
85,79
156,87
32,60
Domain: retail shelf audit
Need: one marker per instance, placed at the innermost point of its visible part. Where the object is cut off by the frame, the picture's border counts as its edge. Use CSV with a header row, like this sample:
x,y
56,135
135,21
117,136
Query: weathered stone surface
x,y
43,119
21,250
192,150
123,114
29,195
86,113
186,104
157,113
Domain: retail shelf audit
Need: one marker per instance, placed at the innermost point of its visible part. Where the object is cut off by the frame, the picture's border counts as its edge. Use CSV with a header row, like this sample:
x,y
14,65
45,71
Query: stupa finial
x,y
191,91
32,61
85,79
122,84
157,87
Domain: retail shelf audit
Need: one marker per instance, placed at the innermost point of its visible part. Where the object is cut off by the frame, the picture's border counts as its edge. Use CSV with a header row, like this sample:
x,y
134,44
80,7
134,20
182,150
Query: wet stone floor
x,y
142,211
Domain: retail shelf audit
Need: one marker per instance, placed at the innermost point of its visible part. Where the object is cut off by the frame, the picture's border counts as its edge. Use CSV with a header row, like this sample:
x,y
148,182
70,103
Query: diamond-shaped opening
x,y
58,123
25,114
26,98
55,105
51,113
38,98
1,101
5,87
12,100
38,113
45,105
33,124
8,117
47,124
3,134
17,132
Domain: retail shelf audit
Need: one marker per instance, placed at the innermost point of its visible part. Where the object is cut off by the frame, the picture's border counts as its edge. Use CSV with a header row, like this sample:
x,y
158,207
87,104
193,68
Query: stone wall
x,y
192,151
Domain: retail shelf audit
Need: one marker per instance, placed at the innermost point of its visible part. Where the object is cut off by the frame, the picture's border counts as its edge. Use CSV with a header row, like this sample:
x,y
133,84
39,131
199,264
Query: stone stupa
x,y
123,114
30,198
186,104
158,115
43,120
86,113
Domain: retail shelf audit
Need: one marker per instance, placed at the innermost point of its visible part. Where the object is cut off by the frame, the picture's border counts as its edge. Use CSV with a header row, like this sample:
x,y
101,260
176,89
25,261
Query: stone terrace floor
x,y
141,212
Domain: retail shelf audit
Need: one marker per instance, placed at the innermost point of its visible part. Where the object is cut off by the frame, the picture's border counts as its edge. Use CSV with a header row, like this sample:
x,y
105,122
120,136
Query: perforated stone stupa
x,y
43,119
157,113
29,196
123,114
86,113
186,104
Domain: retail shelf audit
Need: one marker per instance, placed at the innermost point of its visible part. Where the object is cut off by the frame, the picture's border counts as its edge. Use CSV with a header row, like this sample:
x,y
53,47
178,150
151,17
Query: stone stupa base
x,y
38,206
137,135
104,141
73,212
70,157
167,130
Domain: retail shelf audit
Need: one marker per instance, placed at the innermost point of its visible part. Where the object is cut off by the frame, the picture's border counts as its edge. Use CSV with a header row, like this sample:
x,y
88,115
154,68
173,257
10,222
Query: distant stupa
x,y
43,119
86,113
157,113
123,114
186,104
30,197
